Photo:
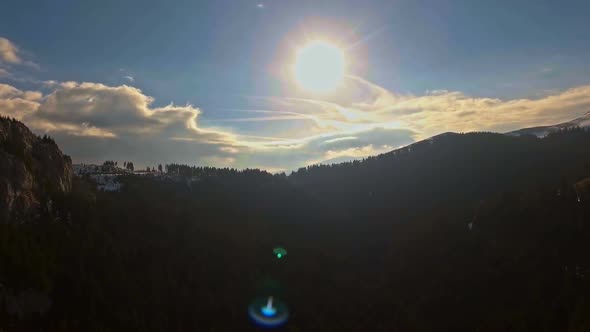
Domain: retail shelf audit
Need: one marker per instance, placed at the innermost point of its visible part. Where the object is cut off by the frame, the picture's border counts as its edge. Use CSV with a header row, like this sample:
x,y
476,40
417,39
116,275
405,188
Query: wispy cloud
x,y
441,110
4,73
10,54
129,78
269,116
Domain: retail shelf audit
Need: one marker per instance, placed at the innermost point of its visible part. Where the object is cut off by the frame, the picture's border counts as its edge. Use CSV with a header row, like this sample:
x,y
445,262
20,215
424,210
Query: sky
x,y
213,83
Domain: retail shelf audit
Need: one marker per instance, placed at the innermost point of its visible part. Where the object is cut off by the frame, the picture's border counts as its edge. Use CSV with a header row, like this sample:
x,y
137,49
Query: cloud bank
x,y
93,121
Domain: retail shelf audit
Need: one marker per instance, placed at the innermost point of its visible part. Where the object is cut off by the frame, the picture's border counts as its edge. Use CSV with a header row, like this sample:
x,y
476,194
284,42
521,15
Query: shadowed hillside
x,y
461,232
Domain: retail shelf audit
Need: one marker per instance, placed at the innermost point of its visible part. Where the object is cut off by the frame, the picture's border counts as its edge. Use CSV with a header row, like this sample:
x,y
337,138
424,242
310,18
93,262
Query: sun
x,y
320,67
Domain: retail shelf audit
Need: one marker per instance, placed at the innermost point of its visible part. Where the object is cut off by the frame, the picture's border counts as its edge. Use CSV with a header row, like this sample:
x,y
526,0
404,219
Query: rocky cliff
x,y
32,170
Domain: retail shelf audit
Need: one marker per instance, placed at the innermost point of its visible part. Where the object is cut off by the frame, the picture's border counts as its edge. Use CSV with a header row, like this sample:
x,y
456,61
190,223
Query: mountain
x,y
449,169
32,169
459,232
542,131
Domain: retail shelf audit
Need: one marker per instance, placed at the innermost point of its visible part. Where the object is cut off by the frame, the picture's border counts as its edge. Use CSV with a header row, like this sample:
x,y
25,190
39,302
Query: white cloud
x,y
16,103
123,112
32,95
8,91
129,78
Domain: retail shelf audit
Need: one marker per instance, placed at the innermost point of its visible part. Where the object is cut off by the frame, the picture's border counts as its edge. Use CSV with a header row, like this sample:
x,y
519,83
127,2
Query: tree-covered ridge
x,y
206,171
452,169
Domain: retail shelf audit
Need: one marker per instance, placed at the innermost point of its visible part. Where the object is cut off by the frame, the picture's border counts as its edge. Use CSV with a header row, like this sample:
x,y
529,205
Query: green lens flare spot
x,y
279,252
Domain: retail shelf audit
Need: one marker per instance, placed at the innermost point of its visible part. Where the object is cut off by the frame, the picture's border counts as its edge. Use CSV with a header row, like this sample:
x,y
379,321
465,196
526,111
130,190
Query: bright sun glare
x,y
320,66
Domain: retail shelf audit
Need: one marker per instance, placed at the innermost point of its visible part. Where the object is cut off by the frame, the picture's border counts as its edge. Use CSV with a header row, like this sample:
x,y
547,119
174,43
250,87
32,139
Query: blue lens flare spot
x,y
268,312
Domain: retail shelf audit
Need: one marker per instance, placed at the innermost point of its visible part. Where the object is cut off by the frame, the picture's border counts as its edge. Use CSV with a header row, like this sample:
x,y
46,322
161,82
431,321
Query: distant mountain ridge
x,y
542,131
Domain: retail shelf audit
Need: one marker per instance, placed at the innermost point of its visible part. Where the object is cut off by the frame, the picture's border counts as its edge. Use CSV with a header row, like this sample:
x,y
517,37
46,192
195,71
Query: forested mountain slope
x,y
462,232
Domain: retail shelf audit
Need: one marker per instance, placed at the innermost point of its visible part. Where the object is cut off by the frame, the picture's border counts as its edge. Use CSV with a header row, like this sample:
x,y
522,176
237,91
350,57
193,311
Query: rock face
x,y
32,169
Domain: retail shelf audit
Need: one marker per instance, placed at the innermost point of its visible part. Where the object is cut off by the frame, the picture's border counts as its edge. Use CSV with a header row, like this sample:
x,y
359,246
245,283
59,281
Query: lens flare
x,y
268,312
279,252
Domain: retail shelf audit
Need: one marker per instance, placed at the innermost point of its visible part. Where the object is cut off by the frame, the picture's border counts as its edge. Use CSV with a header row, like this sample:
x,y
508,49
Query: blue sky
x,y
417,68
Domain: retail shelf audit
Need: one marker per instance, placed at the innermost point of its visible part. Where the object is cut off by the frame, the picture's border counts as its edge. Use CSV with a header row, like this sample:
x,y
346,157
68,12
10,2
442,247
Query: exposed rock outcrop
x,y
32,169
